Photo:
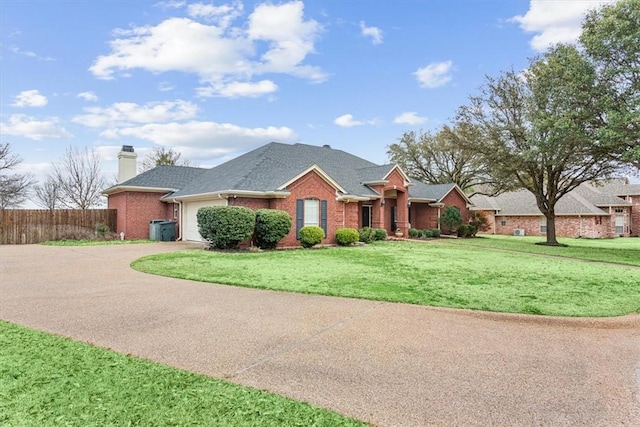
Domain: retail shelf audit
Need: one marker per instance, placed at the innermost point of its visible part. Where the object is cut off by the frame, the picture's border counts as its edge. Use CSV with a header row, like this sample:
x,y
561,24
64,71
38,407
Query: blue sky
x,y
216,79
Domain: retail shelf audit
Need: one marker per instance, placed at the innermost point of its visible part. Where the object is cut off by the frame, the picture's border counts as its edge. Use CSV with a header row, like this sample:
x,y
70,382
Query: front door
x,y
366,216
394,218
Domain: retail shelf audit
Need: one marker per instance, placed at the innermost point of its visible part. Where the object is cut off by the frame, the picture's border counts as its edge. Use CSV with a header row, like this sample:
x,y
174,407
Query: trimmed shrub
x,y
451,219
367,235
347,236
311,235
224,227
435,232
272,225
380,234
414,233
426,233
464,230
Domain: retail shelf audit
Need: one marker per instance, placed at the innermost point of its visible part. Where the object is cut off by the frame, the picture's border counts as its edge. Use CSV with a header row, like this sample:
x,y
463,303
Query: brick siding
x,y
136,209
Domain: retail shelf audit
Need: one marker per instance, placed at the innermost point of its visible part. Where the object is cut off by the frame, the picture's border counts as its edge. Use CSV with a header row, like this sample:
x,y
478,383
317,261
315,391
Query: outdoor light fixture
x,y
409,204
382,202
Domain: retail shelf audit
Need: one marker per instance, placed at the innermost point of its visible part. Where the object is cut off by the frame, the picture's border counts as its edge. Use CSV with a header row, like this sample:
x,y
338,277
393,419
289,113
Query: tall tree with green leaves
x,y
611,38
441,158
160,156
547,130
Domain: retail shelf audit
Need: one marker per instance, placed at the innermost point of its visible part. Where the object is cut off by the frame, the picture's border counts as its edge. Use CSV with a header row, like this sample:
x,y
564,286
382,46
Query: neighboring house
x,y
593,210
315,185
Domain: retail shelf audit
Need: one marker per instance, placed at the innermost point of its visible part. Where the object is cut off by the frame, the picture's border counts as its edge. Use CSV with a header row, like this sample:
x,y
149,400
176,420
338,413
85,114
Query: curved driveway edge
x,y
388,364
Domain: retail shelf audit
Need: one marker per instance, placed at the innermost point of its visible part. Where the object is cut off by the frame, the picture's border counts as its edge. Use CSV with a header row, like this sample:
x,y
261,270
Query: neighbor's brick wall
x,y
136,209
566,226
634,215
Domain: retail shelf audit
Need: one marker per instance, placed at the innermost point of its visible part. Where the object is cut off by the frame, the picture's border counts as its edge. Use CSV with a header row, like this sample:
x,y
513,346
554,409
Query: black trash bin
x,y
167,231
154,229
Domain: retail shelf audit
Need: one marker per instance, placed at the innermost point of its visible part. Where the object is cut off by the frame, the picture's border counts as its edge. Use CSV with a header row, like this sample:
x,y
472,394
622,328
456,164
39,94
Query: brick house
x,y
315,185
593,210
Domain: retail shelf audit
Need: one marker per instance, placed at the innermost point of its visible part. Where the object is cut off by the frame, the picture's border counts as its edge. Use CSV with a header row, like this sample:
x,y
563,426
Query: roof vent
x,y
326,146
127,148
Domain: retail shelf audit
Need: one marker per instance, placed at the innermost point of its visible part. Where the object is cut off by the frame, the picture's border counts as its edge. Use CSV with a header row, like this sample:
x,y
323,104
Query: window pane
x,y
311,212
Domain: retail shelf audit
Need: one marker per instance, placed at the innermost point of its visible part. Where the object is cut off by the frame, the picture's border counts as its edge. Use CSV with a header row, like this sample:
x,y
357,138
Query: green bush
x,y
311,235
367,235
479,220
426,233
464,230
451,219
224,227
347,236
414,233
435,232
272,226
379,234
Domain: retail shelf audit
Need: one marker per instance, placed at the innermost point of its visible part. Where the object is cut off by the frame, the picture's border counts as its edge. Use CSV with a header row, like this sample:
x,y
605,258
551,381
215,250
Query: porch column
x,y
402,212
377,214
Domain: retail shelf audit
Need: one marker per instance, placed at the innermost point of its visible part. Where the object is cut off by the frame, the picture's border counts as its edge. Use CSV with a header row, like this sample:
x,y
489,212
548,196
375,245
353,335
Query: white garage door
x,y
190,221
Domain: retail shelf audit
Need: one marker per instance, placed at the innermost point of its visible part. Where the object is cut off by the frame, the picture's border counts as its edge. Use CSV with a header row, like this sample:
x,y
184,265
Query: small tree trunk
x,y
551,228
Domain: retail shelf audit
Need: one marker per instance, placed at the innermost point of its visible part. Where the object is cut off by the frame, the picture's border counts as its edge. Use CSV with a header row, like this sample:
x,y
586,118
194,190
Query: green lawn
x,y
619,251
429,273
46,380
93,242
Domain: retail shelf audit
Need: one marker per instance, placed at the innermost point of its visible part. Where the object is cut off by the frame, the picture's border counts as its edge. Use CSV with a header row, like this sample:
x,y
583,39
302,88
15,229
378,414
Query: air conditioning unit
x,y
518,232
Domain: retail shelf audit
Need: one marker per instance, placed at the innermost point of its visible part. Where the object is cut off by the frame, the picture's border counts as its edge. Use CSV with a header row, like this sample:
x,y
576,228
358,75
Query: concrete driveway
x,y
387,364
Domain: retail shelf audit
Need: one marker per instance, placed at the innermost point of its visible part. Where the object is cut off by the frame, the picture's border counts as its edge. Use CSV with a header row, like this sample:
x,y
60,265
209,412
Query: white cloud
x,y
165,87
29,127
88,96
239,89
555,21
204,135
219,53
374,32
434,75
409,118
30,54
222,15
30,98
347,121
128,113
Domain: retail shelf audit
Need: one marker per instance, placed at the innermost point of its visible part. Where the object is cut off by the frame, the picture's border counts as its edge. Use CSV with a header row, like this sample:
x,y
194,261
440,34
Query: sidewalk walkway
x,y
388,364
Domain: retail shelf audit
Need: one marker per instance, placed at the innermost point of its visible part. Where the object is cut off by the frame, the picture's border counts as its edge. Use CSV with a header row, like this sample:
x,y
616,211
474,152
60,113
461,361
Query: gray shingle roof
x,y
269,167
584,200
163,177
421,190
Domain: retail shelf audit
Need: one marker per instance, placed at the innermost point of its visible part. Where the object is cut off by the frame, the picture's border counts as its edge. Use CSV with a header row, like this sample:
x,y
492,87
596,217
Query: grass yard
x,y
46,380
618,251
93,242
434,273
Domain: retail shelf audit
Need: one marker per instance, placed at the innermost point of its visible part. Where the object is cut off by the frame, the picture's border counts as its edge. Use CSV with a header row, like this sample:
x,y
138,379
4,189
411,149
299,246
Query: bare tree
x,y
441,158
79,179
163,156
14,188
47,194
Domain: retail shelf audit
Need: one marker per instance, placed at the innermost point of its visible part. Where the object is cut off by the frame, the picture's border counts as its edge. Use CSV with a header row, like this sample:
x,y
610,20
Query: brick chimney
x,y
127,163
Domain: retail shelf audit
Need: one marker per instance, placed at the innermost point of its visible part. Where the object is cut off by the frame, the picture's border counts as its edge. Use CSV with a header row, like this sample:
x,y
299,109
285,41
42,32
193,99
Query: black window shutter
x,y
323,216
299,217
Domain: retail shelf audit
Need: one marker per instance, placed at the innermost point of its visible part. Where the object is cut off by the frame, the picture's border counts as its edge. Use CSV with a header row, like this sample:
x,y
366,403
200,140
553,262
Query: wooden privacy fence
x,y
18,226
